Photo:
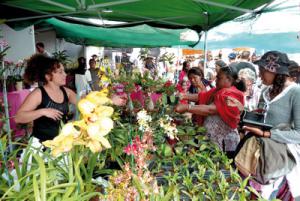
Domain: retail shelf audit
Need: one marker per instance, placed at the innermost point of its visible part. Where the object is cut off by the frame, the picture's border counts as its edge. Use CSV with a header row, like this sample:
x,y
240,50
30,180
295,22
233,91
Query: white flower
x,y
143,116
143,120
169,128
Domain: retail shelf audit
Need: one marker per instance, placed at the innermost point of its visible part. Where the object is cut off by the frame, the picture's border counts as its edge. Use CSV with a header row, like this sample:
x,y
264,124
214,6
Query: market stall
x,y
135,151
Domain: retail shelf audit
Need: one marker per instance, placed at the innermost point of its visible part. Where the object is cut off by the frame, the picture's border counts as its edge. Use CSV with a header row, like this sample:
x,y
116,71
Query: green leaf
x,y
164,99
203,147
36,189
42,176
69,190
190,131
138,186
78,175
168,196
172,98
201,130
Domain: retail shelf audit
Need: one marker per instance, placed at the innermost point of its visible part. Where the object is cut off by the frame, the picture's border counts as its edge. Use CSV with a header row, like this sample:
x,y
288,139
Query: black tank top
x,y
45,128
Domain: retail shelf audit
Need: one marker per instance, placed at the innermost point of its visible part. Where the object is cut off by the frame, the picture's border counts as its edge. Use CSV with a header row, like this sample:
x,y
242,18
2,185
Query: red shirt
x,y
230,115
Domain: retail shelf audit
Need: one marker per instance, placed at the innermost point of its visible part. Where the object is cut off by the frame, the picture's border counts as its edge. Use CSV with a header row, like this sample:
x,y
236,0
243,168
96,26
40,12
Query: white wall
x,y
52,44
48,37
22,44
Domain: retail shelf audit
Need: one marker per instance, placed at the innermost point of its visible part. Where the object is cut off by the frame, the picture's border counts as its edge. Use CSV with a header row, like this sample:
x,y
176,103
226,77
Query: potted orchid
x,y
14,72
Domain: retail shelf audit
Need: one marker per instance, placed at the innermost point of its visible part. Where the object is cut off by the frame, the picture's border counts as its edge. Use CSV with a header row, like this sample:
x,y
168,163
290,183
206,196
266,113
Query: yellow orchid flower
x,y
94,146
60,144
79,142
100,128
55,142
98,99
104,81
81,124
105,142
69,129
104,111
86,107
92,118
49,143
102,69
56,151
96,124
103,92
93,130
106,123
67,143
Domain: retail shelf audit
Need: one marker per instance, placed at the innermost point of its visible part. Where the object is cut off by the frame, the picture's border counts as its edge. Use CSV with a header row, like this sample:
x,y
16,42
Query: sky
x,y
269,30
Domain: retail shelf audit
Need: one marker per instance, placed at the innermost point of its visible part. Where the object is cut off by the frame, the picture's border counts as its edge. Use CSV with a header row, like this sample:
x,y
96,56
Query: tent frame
x,y
83,9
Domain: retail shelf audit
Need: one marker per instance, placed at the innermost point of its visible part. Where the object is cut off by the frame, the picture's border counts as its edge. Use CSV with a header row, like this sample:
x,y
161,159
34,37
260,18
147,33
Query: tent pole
x,y
70,8
40,16
101,5
7,123
205,52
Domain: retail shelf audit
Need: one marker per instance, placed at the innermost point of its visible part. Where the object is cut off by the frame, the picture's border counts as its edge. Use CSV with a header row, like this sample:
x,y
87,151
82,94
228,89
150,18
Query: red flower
x,y
131,149
168,83
135,148
179,88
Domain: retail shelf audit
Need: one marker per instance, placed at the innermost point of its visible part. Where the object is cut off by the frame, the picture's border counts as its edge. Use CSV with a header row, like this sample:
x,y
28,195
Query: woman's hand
x,y
200,86
52,113
182,96
232,102
257,131
181,108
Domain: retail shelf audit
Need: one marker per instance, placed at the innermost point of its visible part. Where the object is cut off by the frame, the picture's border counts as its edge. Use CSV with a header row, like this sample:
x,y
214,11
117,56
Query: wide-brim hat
x,y
275,62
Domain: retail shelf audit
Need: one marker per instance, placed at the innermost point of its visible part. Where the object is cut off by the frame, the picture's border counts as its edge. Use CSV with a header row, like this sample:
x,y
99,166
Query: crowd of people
x,y
269,85
216,96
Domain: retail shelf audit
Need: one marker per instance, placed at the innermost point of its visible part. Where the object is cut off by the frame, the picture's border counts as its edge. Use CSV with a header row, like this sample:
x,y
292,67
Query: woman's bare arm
x,y
203,110
71,95
28,112
190,97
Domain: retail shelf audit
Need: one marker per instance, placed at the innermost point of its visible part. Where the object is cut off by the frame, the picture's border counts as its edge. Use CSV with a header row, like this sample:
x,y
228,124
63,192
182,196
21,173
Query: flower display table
x,y
15,99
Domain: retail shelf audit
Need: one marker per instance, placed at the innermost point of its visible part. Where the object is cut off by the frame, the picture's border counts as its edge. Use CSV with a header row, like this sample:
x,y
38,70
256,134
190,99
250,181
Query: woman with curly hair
x,y
47,105
281,102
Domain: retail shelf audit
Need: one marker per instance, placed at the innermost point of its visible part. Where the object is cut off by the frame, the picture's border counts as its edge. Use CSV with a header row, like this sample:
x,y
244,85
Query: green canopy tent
x,y
137,36
195,14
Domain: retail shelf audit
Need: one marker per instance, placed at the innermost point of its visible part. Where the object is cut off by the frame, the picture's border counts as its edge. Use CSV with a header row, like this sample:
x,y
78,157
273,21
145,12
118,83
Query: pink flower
x,y
8,63
131,149
119,89
3,43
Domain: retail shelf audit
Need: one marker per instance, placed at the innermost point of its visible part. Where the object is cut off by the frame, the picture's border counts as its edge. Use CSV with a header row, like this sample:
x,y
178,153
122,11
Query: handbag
x,y
263,159
255,119
246,160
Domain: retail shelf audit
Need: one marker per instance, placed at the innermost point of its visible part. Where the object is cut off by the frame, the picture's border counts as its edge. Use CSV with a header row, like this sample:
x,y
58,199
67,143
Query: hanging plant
x,y
167,57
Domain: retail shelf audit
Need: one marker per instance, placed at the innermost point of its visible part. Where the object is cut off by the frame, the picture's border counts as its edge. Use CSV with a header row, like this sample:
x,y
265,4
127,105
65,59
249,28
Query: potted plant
x,y
62,57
